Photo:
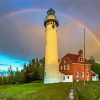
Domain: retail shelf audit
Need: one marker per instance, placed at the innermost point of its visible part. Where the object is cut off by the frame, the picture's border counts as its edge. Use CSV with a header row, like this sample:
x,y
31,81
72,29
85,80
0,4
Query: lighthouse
x,y
52,74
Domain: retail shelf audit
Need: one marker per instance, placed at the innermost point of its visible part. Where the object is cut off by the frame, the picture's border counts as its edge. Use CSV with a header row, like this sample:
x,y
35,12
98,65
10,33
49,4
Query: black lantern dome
x,y
54,20
51,12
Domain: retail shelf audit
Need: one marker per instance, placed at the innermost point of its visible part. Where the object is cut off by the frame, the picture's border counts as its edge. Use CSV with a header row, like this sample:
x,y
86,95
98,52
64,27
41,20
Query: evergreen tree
x,y
11,77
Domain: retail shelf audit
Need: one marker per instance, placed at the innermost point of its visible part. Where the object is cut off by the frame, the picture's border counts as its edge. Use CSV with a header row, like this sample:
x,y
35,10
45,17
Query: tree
x,y
11,77
34,70
95,66
19,76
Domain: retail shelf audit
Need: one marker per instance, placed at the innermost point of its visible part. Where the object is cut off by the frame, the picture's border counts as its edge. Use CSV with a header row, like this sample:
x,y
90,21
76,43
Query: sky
x,y
22,31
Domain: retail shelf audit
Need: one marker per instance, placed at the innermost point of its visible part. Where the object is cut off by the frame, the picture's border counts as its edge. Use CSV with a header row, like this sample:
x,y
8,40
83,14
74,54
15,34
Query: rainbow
x,y
83,26
42,10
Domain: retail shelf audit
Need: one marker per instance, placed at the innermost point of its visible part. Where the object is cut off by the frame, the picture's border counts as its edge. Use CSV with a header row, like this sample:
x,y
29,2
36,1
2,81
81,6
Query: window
x,y
87,74
82,74
77,74
81,58
63,77
68,67
64,67
87,68
68,77
53,26
60,67
93,76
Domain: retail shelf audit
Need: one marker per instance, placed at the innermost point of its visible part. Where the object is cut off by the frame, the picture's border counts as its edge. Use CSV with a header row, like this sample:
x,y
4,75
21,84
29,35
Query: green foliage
x,y
19,76
30,72
34,70
3,80
95,66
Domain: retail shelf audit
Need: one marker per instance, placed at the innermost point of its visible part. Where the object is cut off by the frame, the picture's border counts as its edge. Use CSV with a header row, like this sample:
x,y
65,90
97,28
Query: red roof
x,y
93,73
74,58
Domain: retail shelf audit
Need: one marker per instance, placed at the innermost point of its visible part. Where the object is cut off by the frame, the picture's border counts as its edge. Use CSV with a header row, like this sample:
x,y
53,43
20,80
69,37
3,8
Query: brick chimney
x,y
80,52
80,58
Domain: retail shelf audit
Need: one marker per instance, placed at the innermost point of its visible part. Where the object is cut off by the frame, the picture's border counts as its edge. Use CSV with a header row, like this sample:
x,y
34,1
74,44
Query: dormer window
x,y
81,59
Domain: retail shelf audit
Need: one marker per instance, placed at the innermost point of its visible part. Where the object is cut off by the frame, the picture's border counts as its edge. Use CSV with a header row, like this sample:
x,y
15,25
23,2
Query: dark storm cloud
x,y
19,35
24,37
86,11
9,42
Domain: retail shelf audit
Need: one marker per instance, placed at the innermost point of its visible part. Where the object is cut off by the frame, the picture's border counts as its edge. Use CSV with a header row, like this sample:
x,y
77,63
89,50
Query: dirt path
x,y
71,94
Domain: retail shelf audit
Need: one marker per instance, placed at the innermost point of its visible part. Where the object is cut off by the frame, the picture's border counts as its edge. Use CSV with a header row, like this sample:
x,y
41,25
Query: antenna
x,y
84,58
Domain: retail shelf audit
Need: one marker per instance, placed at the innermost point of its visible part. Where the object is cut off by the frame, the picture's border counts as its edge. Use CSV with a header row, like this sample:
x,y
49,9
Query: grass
x,y
36,91
57,91
89,92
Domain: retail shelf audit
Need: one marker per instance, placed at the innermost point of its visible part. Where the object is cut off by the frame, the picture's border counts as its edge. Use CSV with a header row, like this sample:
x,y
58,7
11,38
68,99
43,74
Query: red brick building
x,y
73,67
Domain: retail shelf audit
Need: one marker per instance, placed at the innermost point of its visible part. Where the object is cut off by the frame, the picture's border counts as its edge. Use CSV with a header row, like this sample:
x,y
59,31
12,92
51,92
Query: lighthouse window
x,y
53,26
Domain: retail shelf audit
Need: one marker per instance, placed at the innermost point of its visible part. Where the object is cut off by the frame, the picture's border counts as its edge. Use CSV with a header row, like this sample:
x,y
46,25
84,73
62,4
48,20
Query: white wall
x,y
95,78
66,78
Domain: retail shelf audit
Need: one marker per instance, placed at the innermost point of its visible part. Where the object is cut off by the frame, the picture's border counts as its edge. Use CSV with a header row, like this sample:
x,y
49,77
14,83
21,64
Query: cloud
x,y
23,35
4,65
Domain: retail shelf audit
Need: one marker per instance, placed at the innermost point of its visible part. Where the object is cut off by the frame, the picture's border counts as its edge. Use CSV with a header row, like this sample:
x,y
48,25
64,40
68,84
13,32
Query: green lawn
x,y
89,92
60,91
36,91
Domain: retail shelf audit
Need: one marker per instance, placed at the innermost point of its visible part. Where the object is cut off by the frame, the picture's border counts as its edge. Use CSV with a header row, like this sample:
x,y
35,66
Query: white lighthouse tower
x,y
52,74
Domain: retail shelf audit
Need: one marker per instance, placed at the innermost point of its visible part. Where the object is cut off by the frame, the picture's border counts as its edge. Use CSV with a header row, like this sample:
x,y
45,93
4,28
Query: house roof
x,y
93,73
74,58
